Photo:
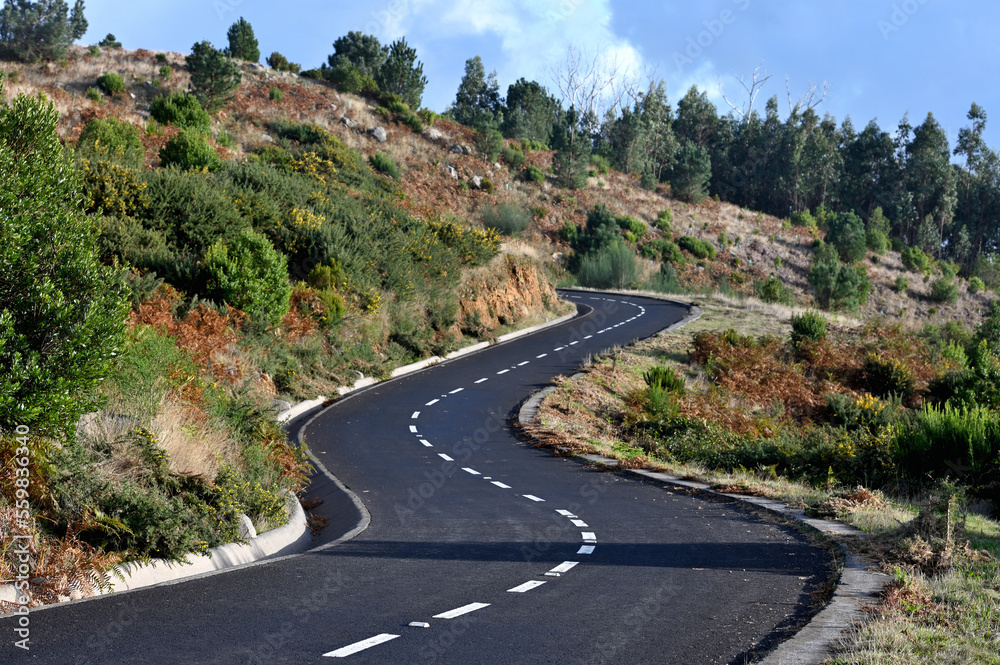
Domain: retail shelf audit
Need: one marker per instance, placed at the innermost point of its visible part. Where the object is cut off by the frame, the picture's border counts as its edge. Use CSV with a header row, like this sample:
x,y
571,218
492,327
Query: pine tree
x,y
31,31
362,51
402,74
214,77
572,152
691,173
477,102
242,43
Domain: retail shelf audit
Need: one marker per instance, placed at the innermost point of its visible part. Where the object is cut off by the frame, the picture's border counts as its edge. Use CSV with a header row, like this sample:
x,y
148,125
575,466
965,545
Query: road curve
x,y
497,552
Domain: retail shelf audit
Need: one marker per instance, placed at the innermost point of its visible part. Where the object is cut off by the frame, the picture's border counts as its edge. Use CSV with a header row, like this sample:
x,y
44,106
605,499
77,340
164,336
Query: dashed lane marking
x,y
473,472
432,402
501,485
541,356
503,371
481,380
426,443
586,549
445,457
343,652
456,390
413,428
579,523
527,586
459,611
532,497
416,414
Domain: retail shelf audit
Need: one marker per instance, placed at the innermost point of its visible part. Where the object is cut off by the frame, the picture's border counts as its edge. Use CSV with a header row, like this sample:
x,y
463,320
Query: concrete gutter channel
x,y
347,517
857,588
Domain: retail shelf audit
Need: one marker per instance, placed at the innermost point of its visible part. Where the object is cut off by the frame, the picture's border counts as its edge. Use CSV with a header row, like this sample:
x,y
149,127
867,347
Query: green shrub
x,y
242,42
868,412
384,164
487,185
665,281
506,218
427,116
94,95
250,274
700,249
901,284
533,174
976,285
569,232
914,259
664,378
538,212
347,78
111,83
940,442
948,269
944,289
847,234
876,241
94,50
803,218
633,225
161,57
190,149
180,109
275,94
62,314
489,144
111,139
600,163
665,220
612,267
773,290
887,376
280,63
109,41
111,188
513,157
809,326
837,285
166,71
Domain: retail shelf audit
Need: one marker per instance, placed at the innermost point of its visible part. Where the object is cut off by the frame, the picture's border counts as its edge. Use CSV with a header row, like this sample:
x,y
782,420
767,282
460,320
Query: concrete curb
x,y
293,537
856,588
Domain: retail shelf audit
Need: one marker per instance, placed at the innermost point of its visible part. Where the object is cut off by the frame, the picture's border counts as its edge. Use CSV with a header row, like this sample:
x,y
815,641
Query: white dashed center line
x,y
527,586
588,336
541,356
589,537
445,457
476,473
532,497
524,363
563,567
416,414
501,485
579,523
459,611
456,390
503,371
586,549
432,402
559,349
426,443
360,646
565,513
576,342
481,380
413,428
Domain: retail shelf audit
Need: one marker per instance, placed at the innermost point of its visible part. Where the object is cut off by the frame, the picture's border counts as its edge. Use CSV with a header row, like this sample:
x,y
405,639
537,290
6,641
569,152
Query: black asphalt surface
x,y
673,577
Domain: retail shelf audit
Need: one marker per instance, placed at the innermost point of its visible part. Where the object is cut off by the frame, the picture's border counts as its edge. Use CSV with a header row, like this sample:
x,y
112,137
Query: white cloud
x,y
533,35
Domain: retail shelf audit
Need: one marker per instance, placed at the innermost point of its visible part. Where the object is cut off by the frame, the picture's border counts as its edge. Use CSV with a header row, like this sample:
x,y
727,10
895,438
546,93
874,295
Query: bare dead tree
x,y
597,82
809,100
749,93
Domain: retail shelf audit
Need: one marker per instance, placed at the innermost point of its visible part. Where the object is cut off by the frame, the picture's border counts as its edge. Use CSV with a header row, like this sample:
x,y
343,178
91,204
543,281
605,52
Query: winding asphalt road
x,y
506,553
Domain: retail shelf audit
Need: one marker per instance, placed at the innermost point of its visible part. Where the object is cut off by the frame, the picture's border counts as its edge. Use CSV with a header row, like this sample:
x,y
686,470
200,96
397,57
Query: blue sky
x,y
881,58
